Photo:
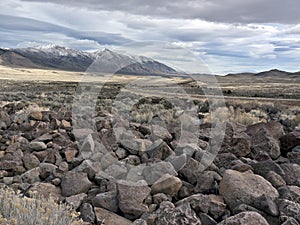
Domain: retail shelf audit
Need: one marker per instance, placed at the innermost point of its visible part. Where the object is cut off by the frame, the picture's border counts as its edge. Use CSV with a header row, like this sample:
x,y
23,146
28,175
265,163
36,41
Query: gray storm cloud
x,y
236,11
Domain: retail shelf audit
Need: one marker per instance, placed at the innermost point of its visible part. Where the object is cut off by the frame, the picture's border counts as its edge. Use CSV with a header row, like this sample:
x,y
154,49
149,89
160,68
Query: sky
x,y
228,36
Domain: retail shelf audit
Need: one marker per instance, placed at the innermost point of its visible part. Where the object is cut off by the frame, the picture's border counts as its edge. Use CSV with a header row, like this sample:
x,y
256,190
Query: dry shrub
x,y
18,210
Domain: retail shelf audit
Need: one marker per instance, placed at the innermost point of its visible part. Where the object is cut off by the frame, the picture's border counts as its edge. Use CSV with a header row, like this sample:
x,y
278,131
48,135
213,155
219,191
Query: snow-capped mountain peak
x,y
105,61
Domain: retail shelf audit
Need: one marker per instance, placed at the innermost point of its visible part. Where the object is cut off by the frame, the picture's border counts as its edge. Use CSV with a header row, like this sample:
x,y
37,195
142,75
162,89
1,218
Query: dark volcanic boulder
x,y
289,141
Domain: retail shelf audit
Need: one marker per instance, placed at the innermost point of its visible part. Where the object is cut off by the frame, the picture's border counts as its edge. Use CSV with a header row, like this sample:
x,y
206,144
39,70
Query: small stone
x,y
36,115
167,184
46,169
161,197
63,166
8,180
37,146
13,147
66,125
56,181
275,179
121,153
70,154
3,173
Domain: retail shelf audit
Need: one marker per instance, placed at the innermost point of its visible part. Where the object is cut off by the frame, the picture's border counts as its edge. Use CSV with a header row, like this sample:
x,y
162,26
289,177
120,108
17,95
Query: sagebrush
x,y
16,209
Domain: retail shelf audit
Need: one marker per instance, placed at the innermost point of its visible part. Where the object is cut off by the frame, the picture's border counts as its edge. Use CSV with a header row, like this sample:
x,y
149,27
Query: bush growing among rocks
x,y
18,210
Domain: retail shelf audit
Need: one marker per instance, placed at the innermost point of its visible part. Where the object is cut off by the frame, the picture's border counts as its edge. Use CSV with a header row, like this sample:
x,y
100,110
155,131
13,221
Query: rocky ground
x,y
254,179
147,177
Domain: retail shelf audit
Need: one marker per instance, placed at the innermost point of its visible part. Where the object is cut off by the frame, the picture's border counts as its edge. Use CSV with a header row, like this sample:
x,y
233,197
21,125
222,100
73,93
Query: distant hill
x,y
275,73
105,61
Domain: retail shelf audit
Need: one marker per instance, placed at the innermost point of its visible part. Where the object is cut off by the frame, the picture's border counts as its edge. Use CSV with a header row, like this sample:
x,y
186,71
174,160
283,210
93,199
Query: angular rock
x,y
44,190
217,207
74,183
161,132
87,213
5,119
262,168
139,222
291,173
31,176
206,219
131,197
275,129
160,150
263,141
106,200
104,216
267,205
207,183
289,141
290,221
192,170
245,218
183,215
46,169
224,160
289,208
76,200
30,161
155,171
198,202
246,188
160,197
70,154
88,147
167,184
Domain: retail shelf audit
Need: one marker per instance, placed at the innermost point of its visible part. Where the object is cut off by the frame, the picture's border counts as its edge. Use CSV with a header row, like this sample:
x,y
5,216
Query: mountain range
x,y
104,61
62,58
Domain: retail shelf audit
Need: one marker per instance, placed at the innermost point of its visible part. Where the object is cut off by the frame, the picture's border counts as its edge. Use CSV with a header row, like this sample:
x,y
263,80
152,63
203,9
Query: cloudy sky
x,y
228,35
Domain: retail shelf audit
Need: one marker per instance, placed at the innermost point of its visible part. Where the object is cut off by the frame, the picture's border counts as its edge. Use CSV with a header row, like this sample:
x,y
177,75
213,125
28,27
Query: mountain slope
x,y
57,57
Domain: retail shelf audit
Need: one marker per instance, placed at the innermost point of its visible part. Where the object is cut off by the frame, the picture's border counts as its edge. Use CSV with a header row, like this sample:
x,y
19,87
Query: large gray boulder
x,y
238,188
